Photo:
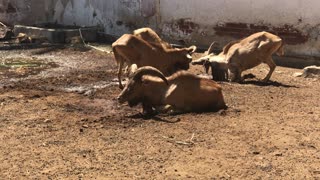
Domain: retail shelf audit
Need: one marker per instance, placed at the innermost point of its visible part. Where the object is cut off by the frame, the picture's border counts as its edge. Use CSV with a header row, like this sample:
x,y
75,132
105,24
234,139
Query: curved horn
x,y
192,49
210,50
148,70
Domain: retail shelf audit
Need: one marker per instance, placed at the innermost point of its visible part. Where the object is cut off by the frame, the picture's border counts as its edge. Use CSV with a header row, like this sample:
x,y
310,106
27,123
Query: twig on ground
x,y
191,139
82,37
3,24
88,45
172,140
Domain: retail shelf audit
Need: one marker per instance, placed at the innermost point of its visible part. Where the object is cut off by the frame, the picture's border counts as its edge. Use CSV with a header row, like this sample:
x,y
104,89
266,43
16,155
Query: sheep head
x,y
133,92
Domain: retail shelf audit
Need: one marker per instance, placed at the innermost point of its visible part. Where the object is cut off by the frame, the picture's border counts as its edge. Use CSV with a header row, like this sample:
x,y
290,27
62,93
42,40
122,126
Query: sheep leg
x,y
206,67
164,108
226,75
126,70
217,72
147,110
222,76
272,66
172,110
217,75
235,73
119,74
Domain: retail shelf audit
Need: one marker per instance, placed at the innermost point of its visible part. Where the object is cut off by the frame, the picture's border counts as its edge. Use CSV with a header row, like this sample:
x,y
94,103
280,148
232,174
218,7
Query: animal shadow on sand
x,y
155,117
261,83
174,115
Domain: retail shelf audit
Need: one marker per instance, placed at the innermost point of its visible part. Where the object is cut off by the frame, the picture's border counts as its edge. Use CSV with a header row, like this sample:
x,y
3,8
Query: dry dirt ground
x,y
60,120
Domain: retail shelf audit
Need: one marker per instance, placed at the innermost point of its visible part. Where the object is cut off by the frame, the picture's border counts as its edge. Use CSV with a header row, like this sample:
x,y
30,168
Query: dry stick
x,y
3,24
82,37
179,142
191,139
93,47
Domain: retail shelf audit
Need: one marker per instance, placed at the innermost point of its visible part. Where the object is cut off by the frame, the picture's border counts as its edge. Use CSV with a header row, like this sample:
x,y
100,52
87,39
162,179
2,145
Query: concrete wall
x,y
116,16
192,21
296,21
25,11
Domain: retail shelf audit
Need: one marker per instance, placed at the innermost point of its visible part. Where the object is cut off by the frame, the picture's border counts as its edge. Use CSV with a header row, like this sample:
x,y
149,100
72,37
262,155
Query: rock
x,y
310,71
90,92
298,74
101,126
255,152
5,32
23,38
47,121
279,154
85,126
222,112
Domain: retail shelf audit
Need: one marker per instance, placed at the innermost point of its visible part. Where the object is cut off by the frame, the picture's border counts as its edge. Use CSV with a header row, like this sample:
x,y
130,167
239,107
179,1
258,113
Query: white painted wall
x,y
250,11
7,16
117,17
300,14
203,16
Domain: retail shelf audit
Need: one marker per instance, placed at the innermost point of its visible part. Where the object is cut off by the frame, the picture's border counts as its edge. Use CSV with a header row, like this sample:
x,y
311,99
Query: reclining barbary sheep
x,y
134,49
182,91
244,54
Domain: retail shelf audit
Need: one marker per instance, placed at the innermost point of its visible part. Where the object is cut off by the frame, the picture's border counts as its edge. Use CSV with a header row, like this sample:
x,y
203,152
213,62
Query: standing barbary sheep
x,y
183,91
151,37
132,49
247,53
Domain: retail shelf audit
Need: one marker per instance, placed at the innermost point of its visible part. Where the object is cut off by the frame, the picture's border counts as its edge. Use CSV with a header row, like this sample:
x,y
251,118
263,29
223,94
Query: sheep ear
x,y
144,82
191,49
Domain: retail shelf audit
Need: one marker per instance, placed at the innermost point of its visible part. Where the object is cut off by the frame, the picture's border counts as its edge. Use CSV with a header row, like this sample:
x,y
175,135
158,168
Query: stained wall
x,y
189,21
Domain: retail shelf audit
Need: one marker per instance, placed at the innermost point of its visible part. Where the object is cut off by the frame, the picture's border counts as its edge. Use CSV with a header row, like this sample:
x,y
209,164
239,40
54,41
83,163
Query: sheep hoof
x,y
265,80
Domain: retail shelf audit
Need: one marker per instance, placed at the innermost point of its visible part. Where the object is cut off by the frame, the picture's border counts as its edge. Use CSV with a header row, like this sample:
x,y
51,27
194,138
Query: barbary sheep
x,y
244,54
132,49
182,91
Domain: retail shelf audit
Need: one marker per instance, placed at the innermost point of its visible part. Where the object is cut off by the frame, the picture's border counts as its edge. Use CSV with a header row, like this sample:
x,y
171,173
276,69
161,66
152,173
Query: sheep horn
x,y
148,70
210,50
192,49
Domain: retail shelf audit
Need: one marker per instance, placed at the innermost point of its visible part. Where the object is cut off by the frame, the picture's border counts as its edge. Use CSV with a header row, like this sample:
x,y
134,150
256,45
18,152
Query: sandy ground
x,y
60,120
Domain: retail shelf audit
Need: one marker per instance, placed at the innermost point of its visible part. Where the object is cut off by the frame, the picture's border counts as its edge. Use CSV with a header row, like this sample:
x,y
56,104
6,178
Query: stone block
x,y
57,35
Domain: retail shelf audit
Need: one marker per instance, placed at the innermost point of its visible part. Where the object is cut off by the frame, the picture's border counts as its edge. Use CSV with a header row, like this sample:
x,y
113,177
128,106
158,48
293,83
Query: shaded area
x,y
5,32
16,46
154,117
22,67
288,33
